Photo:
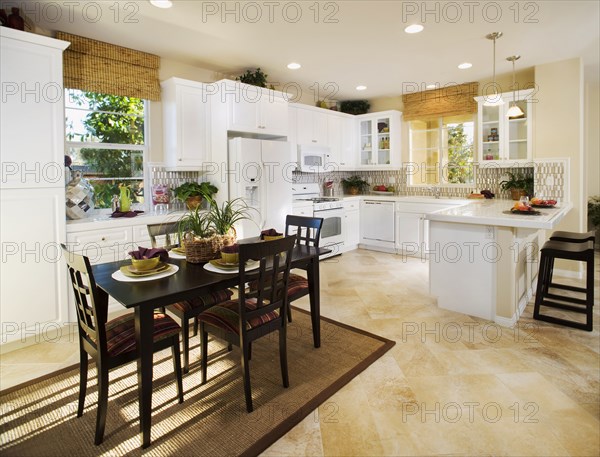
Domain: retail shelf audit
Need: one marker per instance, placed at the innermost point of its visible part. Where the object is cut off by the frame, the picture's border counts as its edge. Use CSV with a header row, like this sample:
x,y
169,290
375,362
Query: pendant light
x,y
514,111
496,99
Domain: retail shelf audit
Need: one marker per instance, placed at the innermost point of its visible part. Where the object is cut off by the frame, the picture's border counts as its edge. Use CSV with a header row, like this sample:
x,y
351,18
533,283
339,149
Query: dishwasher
x,y
377,223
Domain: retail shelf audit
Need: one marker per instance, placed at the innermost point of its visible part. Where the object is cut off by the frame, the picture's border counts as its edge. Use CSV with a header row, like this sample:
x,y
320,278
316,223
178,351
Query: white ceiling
x,y
350,43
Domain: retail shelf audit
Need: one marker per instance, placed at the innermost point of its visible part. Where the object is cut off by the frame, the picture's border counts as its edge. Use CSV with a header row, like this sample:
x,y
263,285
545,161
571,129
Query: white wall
x,y
592,137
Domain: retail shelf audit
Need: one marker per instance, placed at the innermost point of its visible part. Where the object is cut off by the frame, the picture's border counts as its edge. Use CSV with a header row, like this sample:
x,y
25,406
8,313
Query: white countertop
x,y
100,220
491,212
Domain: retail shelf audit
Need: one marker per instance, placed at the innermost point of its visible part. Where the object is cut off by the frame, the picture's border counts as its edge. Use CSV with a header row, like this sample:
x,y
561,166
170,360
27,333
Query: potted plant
x,y
355,106
256,78
354,185
225,216
197,235
518,184
192,193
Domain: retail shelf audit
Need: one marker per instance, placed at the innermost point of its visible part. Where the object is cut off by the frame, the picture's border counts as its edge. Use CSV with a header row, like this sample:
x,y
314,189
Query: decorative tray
x,y
542,206
523,213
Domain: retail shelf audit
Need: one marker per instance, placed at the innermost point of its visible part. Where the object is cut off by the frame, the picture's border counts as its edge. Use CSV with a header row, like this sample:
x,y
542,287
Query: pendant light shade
x,y
495,99
514,111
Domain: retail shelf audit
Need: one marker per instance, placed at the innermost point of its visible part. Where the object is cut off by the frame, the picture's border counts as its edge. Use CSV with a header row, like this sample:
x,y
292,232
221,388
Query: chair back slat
x,y
271,276
307,229
168,232
91,307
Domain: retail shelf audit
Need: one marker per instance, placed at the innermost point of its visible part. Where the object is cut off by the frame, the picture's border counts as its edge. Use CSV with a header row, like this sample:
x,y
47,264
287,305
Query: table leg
x,y
314,290
143,334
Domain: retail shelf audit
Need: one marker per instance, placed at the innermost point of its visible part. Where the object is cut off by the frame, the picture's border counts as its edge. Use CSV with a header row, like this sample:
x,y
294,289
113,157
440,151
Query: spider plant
x,y
197,223
225,216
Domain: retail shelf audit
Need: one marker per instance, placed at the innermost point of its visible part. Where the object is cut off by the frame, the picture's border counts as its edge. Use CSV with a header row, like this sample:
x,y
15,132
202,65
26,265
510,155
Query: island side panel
x,y
463,267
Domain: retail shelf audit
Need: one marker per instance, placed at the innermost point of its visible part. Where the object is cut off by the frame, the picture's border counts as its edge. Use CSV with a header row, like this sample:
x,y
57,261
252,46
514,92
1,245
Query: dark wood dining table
x,y
189,281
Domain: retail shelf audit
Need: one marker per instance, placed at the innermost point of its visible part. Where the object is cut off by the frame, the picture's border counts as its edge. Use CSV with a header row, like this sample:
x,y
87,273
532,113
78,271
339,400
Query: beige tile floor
x,y
452,385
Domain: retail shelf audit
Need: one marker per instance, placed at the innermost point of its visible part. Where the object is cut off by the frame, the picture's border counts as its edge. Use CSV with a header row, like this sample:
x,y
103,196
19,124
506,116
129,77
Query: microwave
x,y
312,158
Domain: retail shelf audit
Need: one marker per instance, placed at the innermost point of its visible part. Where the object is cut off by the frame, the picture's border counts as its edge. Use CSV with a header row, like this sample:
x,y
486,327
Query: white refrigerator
x,y
260,172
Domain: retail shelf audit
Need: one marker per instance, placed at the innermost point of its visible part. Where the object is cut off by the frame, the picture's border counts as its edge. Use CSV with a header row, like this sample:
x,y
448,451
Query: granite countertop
x,y
494,212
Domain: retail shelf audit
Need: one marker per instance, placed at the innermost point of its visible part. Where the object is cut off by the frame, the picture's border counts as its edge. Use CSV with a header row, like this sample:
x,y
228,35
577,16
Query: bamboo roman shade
x,y
446,101
96,66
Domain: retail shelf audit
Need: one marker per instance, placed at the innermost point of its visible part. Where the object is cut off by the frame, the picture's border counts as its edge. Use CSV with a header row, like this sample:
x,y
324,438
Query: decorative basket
x,y
198,250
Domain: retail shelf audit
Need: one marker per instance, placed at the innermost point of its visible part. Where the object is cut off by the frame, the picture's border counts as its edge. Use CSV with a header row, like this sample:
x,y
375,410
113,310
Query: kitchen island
x,y
483,259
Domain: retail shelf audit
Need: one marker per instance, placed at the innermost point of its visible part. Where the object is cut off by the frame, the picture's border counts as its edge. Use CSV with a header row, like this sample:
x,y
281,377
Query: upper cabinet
x,y
186,124
254,110
379,139
500,138
311,126
341,134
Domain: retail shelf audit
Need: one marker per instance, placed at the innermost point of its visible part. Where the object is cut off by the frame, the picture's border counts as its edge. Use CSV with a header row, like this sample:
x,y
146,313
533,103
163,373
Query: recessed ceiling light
x,y
415,28
294,66
162,3
465,65
361,87
430,86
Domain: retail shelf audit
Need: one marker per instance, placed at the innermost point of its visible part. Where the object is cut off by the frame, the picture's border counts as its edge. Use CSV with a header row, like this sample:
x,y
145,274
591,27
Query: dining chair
x,y
253,315
185,309
110,343
308,233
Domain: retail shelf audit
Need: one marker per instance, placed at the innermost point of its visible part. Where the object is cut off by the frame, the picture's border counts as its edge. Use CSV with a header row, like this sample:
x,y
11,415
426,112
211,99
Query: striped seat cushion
x,y
120,332
226,316
296,284
203,301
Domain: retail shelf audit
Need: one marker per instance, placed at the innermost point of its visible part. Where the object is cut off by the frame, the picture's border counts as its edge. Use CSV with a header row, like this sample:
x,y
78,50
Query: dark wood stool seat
x,y
577,251
573,237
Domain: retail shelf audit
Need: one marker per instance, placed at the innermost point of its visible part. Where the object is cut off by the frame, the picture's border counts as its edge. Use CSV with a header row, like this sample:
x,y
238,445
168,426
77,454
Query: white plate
x,y
175,255
212,268
118,276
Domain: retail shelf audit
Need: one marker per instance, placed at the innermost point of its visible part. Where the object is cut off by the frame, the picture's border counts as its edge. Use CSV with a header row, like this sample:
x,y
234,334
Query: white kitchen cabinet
x,y
33,276
351,224
377,224
411,233
341,135
501,140
379,139
311,126
186,124
255,110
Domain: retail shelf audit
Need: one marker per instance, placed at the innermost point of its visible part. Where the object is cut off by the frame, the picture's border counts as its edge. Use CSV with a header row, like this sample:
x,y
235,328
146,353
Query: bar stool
x,y
573,237
578,251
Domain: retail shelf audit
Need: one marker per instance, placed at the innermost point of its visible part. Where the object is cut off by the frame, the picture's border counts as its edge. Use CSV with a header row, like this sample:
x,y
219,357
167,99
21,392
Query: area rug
x,y
39,418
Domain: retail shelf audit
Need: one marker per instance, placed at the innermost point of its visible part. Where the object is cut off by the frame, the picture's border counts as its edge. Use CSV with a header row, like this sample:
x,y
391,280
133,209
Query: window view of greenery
x,y
441,150
105,140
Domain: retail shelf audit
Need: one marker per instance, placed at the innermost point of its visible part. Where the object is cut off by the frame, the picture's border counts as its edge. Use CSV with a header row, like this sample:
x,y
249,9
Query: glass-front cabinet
x,y
379,139
501,138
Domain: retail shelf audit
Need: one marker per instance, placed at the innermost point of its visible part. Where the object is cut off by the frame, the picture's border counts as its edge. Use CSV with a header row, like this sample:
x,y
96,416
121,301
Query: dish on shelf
x,y
540,203
542,206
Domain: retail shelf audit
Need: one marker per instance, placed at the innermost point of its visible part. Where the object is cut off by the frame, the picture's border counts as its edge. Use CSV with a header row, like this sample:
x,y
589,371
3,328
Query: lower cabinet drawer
x,y
99,239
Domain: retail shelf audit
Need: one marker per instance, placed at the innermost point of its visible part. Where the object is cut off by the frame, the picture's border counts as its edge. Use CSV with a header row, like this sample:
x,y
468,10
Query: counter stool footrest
x,y
553,304
558,320
578,301
565,287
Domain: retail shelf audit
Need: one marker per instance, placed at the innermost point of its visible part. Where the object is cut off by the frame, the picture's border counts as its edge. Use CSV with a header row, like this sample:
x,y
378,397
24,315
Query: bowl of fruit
x,y
541,203
383,190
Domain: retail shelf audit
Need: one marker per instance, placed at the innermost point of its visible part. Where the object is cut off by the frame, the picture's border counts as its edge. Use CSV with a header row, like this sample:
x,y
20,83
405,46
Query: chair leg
x,y
246,374
195,326
177,367
204,357
541,285
102,402
283,357
250,350
289,312
185,336
83,374
229,347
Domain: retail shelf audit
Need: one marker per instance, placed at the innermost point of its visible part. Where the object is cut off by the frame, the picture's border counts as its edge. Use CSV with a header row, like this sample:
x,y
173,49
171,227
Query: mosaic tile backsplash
x,y
550,180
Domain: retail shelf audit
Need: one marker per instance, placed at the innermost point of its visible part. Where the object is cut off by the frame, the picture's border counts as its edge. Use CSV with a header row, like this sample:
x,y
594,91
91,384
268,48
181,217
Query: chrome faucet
x,y
435,191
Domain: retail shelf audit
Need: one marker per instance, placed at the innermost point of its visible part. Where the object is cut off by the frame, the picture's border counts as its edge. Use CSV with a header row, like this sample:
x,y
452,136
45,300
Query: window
x,y
441,150
106,140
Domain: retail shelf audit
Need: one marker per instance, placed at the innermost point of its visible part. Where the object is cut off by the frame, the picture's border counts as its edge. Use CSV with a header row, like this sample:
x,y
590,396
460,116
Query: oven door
x,y
331,232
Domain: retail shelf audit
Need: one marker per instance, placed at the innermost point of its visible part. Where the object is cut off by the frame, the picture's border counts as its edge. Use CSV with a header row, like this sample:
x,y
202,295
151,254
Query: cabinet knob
x,y
314,141
103,238
180,159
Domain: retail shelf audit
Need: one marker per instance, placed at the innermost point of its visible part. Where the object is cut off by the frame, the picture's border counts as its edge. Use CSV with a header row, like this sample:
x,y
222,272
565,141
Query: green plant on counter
x,y
518,181
193,189
223,218
594,210
256,78
354,184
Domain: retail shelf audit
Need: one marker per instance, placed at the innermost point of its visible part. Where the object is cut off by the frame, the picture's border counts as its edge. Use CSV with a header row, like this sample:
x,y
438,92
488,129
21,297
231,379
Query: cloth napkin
x,y
148,253
270,232
126,214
